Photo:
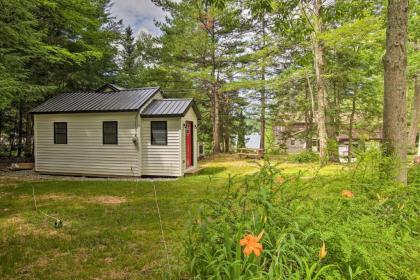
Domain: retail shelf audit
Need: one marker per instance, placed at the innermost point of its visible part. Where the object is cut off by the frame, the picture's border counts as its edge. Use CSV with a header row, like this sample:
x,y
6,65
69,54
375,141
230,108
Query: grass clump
x,y
370,234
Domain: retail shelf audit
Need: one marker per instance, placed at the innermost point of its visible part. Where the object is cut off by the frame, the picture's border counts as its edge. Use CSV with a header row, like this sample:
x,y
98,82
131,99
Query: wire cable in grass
x,y
58,223
161,226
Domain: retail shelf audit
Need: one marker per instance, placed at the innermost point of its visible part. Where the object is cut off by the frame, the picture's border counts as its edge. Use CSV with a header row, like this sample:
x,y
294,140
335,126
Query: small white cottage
x,y
116,132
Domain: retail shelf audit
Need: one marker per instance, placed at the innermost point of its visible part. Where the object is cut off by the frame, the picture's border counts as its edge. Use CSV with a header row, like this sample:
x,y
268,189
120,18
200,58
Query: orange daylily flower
x,y
347,193
252,244
322,251
279,180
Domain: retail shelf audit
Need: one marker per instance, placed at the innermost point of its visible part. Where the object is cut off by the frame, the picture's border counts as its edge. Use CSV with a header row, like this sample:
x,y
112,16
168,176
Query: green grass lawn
x,y
111,228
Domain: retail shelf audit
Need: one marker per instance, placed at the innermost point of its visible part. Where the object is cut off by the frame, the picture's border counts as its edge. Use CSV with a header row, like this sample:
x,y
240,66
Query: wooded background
x,y
250,65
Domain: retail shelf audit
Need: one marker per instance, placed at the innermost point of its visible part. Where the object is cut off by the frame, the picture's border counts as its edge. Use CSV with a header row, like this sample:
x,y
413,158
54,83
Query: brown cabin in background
x,y
294,137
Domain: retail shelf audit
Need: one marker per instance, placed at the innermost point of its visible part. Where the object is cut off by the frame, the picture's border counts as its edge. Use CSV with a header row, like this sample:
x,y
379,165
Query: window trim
x,y
166,133
103,133
55,133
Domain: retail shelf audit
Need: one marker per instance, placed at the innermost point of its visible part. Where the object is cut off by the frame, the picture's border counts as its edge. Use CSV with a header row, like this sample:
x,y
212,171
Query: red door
x,y
189,143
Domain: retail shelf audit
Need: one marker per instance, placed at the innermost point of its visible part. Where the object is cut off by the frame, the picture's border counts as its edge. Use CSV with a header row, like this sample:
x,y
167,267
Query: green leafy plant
x,y
368,235
304,157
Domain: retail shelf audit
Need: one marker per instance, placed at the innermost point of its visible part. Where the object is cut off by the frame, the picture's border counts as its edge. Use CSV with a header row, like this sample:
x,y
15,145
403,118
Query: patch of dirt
x,y
107,199
140,232
24,227
82,255
115,275
41,262
148,267
100,199
120,274
6,180
58,197
16,221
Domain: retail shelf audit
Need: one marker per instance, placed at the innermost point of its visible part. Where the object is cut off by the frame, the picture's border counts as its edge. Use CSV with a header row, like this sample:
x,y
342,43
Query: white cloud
x,y
139,14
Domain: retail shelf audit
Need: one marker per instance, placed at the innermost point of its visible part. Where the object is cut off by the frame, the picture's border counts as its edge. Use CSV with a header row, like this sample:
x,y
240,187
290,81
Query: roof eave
x,y
79,112
146,116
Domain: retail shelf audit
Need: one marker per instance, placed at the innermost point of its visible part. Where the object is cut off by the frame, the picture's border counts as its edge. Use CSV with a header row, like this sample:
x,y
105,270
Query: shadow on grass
x,y
211,170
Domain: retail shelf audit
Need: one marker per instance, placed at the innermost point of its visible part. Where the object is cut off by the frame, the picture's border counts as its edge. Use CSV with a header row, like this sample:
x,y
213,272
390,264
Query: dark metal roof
x,y
169,108
79,102
112,87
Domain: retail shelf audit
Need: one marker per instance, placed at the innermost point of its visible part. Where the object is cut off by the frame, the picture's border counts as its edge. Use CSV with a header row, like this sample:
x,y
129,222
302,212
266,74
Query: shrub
x,y
371,235
304,157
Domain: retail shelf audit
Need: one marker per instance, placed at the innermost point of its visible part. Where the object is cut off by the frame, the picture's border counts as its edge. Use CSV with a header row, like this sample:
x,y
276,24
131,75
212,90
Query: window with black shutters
x,y
60,133
110,132
159,133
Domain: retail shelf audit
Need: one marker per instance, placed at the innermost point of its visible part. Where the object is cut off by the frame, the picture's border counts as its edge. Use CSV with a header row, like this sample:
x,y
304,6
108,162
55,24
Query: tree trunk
x,y
309,116
262,116
318,51
215,96
227,122
227,140
263,99
311,94
216,121
308,138
1,126
20,130
333,124
241,131
395,100
12,135
353,111
241,140
28,136
415,115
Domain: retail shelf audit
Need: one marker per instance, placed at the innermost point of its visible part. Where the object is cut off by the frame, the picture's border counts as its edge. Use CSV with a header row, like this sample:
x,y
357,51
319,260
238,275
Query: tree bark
x,y
353,112
28,136
12,135
311,94
262,116
226,122
216,121
415,115
395,100
1,126
20,130
309,116
263,97
215,96
333,124
227,140
318,51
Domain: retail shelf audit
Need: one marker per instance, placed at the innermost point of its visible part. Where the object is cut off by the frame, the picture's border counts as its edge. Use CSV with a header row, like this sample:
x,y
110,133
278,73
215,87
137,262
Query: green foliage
x,y
304,157
47,47
369,236
414,175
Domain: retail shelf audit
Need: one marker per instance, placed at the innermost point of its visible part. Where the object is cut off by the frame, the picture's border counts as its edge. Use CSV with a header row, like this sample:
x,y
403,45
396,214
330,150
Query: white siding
x,y
85,153
190,116
161,160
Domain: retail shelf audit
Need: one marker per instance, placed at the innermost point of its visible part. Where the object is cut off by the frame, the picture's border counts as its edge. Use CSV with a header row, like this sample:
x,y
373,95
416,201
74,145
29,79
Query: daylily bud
x,y
322,251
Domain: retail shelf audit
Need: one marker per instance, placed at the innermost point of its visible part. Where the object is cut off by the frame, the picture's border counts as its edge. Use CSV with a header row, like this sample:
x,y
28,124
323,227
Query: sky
x,y
139,14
